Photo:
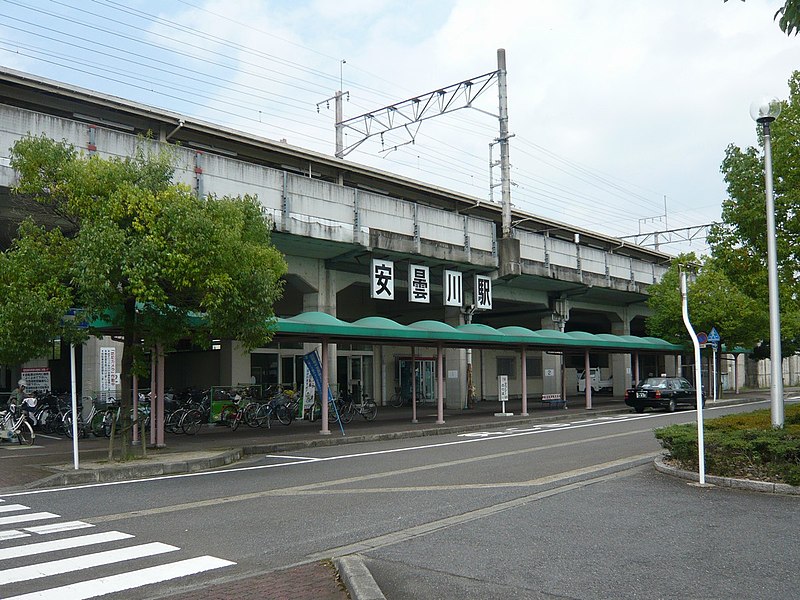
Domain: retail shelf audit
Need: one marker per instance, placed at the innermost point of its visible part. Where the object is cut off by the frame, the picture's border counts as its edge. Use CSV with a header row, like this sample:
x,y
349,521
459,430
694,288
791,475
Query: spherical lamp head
x,y
765,110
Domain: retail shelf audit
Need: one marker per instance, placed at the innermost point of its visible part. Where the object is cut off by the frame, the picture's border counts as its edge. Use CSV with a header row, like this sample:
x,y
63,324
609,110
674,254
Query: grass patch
x,y
743,445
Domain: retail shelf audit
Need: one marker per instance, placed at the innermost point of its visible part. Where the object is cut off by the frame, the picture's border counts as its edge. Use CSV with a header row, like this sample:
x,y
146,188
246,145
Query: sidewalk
x,y
50,463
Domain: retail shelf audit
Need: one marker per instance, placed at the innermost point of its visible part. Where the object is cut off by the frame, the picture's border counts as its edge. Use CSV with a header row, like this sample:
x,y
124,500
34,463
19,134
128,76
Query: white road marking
x,y
125,581
39,516
12,534
79,563
75,542
289,457
396,537
13,507
58,527
222,473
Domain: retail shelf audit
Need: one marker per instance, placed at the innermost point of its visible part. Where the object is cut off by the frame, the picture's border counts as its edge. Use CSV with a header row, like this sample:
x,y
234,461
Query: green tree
x,y
739,242
134,249
788,16
713,301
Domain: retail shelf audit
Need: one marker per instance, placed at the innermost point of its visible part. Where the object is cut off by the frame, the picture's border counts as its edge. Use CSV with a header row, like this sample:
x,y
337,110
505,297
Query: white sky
x,y
613,105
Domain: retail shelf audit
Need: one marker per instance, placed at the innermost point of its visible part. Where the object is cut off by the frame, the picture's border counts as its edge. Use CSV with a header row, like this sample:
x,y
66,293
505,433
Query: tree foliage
x,y
739,242
713,301
788,17
136,250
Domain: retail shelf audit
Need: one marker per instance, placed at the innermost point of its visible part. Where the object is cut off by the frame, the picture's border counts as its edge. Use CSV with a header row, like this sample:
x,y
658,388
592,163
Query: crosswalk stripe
x,y
12,534
87,561
39,516
75,542
13,507
58,527
126,581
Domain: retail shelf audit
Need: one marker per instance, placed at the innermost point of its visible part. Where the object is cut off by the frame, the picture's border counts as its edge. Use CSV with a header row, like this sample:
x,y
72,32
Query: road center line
x,y
396,537
314,488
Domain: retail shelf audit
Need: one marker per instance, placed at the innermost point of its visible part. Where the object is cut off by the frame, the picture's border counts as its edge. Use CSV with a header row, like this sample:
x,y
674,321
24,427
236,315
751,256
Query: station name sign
x,y
383,275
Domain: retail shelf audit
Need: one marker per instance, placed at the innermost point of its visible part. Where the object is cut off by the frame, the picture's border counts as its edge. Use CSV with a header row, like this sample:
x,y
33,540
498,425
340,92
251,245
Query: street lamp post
x,y
765,111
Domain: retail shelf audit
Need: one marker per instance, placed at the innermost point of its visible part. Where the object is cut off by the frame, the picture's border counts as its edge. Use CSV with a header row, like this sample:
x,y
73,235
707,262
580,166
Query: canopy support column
x,y
135,432
587,379
524,370
157,416
413,386
324,392
636,377
153,383
440,385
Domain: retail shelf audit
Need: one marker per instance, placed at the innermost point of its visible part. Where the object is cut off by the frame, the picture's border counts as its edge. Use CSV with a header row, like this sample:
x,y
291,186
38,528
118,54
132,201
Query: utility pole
x,y
339,111
505,164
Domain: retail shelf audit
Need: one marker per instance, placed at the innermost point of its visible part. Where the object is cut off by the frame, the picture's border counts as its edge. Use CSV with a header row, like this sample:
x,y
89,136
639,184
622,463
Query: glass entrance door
x,y
426,379
354,374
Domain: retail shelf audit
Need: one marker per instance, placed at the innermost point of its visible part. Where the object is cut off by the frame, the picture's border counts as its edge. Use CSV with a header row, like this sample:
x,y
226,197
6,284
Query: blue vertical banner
x,y
315,368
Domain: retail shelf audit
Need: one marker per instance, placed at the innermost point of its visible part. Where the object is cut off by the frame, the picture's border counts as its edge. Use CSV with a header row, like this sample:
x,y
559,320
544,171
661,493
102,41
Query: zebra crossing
x,y
60,560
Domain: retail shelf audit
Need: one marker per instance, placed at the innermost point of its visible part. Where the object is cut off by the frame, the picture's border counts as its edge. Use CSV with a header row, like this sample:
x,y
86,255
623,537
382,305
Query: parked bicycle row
x,y
186,411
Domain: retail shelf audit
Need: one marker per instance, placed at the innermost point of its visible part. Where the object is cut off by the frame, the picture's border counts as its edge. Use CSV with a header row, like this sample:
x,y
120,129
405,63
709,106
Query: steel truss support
x,y
409,114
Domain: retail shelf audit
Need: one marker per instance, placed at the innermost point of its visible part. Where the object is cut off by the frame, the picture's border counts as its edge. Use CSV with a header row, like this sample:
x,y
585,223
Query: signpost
x,y
713,337
502,395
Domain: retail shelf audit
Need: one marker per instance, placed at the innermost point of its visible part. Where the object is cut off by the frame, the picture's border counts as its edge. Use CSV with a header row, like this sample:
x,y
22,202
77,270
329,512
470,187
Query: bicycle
x,y
189,417
340,409
232,414
366,408
397,400
18,427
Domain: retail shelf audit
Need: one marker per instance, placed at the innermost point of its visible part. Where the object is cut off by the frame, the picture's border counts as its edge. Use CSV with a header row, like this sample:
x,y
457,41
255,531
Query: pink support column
x,y
159,400
324,400
413,386
135,433
524,383
587,378
153,384
440,385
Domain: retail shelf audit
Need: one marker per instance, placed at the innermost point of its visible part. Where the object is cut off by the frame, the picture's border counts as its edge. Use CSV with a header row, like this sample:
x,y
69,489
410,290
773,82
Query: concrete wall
x,y
312,208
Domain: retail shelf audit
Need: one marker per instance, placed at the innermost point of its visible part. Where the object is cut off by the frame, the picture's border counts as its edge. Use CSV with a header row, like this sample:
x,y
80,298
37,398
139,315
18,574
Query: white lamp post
x,y
765,111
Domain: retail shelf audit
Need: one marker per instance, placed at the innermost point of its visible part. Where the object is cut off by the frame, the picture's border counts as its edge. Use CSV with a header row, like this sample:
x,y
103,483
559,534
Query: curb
x,y
133,471
729,482
357,578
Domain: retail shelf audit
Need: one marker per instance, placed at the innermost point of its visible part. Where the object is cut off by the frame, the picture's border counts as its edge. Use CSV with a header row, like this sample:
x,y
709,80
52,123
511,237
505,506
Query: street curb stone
x,y
114,473
729,482
357,578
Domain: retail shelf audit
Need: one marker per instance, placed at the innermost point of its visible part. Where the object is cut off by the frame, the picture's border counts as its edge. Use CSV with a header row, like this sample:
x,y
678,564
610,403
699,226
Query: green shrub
x,y
743,445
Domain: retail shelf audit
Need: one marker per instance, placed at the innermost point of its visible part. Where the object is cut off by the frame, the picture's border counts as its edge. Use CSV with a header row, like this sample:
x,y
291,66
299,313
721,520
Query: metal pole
x,y
775,359
505,165
701,454
74,386
714,370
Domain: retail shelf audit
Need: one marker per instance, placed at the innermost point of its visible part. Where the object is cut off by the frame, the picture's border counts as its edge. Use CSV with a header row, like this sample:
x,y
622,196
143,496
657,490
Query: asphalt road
x,y
563,510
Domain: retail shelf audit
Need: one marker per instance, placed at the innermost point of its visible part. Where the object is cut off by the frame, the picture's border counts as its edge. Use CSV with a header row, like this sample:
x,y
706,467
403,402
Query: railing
x,y
305,206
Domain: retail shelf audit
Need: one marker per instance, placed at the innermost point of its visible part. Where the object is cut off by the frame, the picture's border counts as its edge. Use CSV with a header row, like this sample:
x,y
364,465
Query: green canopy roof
x,y
382,330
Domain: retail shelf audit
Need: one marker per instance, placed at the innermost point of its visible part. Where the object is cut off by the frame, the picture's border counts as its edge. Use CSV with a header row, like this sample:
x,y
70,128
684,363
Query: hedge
x,y
742,445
